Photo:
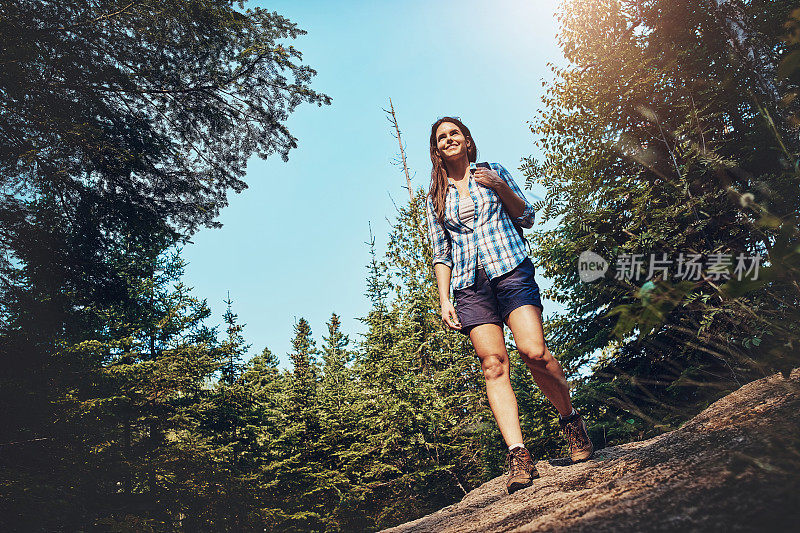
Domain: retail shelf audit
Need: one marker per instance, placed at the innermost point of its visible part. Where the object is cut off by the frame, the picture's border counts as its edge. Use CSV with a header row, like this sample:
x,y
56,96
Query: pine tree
x,y
233,349
663,139
421,402
122,433
269,389
112,158
378,320
304,380
335,371
261,370
299,472
341,415
268,419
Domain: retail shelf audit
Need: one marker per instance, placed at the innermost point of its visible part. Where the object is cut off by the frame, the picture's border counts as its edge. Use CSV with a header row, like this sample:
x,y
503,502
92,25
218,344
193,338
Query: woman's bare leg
x,y
526,326
490,348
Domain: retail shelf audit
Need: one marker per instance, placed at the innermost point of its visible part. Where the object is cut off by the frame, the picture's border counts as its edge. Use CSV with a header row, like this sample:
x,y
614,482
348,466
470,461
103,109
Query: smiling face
x,y
451,142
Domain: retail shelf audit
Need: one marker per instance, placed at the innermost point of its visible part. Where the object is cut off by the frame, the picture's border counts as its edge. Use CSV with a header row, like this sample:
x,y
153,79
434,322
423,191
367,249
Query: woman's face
x,y
450,141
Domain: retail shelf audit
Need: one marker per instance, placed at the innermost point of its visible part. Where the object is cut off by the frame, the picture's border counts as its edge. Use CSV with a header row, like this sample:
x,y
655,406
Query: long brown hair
x,y
438,188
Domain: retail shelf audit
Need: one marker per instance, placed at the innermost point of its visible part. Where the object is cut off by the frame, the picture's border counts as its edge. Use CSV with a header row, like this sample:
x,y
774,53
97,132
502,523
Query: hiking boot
x,y
520,468
574,430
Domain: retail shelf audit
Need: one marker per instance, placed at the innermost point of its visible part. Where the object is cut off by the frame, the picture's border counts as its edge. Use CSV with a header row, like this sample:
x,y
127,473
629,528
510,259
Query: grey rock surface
x,y
733,467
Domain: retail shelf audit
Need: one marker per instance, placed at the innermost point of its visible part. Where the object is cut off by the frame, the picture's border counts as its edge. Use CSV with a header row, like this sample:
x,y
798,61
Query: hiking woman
x,y
475,216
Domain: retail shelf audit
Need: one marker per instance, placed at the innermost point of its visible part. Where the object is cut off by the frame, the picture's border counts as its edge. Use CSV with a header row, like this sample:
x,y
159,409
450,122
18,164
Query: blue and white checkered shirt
x,y
492,234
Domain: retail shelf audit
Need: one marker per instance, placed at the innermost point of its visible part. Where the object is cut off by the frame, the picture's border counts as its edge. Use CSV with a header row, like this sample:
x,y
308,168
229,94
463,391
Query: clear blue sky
x,y
294,243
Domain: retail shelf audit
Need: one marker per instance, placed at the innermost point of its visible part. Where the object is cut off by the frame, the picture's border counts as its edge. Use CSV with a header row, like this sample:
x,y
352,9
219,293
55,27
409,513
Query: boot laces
x,y
575,434
516,461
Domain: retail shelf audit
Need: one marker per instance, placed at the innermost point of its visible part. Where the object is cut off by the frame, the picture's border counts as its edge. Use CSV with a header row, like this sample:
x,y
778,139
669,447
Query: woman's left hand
x,y
488,178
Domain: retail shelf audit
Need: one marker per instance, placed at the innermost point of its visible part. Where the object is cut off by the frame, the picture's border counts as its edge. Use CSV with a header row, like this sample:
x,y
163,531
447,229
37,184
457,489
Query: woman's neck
x,y
458,169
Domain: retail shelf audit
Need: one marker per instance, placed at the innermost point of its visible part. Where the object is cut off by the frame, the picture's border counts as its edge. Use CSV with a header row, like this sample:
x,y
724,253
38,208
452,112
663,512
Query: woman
x,y
471,219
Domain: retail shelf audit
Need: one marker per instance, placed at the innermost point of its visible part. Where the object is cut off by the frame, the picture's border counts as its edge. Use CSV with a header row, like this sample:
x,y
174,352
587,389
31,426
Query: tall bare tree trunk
x,y
393,119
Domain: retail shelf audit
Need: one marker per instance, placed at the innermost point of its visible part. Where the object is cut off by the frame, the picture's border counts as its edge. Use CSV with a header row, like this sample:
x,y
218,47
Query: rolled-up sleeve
x,y
525,220
440,240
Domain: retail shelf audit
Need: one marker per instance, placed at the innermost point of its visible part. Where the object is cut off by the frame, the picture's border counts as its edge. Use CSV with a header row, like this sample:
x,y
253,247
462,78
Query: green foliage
x,y
425,440
124,124
665,138
127,122
233,348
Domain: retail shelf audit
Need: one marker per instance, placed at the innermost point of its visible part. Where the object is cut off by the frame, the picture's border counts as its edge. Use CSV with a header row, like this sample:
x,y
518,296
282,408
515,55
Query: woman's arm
x,y
442,265
442,273
449,314
519,209
440,240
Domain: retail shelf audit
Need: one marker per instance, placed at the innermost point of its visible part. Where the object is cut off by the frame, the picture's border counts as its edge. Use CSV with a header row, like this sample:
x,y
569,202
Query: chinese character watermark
x,y
716,267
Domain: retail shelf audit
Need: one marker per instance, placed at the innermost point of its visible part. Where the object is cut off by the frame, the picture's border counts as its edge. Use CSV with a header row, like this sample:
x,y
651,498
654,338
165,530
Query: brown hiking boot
x,y
574,430
520,468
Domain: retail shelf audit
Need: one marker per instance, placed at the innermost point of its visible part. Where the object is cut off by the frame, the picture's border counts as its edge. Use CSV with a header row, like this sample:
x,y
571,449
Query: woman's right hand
x,y
449,315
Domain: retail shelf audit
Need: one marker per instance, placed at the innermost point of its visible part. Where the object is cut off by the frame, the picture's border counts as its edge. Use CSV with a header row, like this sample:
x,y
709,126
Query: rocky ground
x,y
734,467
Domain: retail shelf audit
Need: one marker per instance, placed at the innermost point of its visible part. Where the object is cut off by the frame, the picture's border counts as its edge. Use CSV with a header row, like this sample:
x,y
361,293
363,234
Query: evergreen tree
x,y
269,389
663,138
422,402
336,357
378,320
298,473
269,416
123,434
233,348
261,372
340,411
304,379
125,125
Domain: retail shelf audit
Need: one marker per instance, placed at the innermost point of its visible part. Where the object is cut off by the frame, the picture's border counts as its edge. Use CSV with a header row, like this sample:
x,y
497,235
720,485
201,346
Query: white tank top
x,y
466,212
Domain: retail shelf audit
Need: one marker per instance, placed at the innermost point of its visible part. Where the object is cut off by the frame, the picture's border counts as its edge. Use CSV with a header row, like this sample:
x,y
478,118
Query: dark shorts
x,y
490,301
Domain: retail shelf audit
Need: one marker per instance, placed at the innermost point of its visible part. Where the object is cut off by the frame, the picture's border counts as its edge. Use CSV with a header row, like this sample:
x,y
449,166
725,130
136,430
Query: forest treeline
x,y
672,129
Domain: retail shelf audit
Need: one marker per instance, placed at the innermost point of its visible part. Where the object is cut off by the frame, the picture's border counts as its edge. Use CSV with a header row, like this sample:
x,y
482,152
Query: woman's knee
x,y
494,366
534,353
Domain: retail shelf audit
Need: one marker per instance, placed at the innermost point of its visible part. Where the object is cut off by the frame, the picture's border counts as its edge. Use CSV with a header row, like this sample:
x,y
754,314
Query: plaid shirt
x,y
492,234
